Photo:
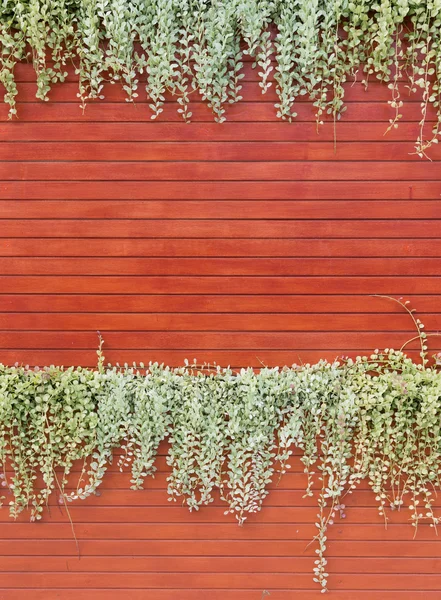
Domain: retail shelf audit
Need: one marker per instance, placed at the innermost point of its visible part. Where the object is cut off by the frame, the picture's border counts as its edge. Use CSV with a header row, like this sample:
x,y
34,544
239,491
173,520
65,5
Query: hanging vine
x,y
189,46
374,418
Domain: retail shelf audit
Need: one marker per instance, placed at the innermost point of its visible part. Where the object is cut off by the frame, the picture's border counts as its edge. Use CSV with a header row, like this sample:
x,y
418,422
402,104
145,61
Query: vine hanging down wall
x,y
311,47
374,418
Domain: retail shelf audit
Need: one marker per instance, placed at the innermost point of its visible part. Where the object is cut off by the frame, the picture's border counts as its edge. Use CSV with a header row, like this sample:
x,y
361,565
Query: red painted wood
x,y
233,228
214,594
234,358
222,171
376,91
167,284
370,189
210,321
160,131
224,209
226,530
201,303
250,242
225,581
262,111
220,266
194,150
200,341
172,514
220,247
398,550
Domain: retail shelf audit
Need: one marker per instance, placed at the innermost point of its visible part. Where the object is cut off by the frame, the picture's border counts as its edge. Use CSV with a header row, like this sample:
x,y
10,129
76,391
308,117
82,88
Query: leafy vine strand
x,y
375,418
309,47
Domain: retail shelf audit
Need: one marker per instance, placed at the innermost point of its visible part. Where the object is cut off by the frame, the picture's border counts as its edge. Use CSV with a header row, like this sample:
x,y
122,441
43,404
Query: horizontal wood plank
x,y
218,548
214,594
247,151
220,247
370,189
250,90
211,515
211,322
202,564
256,358
221,531
221,266
216,228
152,340
220,171
159,131
202,303
222,209
109,284
239,112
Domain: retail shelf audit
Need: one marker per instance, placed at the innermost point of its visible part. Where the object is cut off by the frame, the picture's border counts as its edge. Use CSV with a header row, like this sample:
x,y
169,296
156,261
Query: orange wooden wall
x,y
244,242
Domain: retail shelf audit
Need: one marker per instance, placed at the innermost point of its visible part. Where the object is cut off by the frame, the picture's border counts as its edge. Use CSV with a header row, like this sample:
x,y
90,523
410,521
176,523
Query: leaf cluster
x,y
375,418
311,47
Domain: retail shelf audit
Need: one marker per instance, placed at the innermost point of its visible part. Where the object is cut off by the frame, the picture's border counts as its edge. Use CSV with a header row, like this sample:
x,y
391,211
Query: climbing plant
x,y
308,47
374,418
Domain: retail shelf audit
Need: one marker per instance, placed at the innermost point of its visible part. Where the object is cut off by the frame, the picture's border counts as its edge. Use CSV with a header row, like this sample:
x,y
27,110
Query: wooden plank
x,y
233,228
220,171
218,247
222,266
258,582
213,594
162,466
120,480
107,284
284,580
200,303
211,322
25,71
235,358
209,515
152,340
115,479
221,531
224,209
221,580
202,150
159,131
201,112
221,190
161,580
219,548
251,92
277,497
201,564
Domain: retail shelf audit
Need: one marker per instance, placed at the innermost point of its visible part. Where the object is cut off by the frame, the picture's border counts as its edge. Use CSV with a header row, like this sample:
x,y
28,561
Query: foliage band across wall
x,y
375,418
310,48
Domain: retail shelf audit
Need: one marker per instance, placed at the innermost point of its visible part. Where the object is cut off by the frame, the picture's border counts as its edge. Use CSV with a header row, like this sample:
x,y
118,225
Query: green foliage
x,y
373,418
187,46
48,420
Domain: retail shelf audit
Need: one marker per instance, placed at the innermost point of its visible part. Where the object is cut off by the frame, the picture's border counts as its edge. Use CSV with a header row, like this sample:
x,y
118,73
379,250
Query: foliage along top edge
x,y
311,47
376,418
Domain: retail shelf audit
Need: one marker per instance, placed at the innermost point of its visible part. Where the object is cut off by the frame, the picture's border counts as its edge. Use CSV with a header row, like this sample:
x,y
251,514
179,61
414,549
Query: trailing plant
x,y
375,418
312,47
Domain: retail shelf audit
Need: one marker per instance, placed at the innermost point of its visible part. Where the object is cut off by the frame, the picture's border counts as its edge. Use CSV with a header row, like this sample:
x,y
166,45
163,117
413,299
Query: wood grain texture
x,y
251,242
368,189
261,111
162,131
213,593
